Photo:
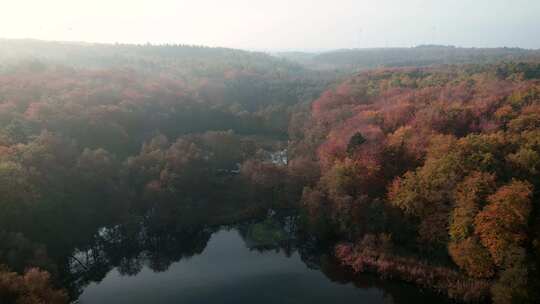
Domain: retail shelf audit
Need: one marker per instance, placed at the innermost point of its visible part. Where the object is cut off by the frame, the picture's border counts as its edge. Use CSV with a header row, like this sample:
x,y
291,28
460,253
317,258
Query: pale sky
x,y
278,24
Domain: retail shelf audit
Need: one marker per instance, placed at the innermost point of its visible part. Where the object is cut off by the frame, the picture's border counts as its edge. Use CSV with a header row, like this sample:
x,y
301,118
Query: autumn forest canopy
x,y
416,164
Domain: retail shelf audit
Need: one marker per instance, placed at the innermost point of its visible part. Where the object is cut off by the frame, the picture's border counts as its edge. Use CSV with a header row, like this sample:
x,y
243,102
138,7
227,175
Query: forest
x,y
352,60
430,175
419,165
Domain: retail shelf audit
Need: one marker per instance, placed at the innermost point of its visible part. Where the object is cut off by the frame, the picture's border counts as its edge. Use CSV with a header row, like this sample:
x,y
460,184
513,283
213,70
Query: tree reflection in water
x,y
140,243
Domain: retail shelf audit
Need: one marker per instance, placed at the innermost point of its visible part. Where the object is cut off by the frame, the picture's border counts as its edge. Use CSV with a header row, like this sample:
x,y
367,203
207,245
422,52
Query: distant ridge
x,y
421,55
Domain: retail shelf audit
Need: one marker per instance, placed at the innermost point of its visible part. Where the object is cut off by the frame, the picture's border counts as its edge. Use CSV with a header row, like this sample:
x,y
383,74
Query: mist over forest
x,y
413,171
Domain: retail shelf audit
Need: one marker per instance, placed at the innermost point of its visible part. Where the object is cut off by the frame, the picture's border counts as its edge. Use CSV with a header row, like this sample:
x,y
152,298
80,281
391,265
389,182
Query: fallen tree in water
x,y
372,254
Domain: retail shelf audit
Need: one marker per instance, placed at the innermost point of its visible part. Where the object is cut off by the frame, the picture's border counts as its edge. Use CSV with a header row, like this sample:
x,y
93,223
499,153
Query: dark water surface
x,y
231,270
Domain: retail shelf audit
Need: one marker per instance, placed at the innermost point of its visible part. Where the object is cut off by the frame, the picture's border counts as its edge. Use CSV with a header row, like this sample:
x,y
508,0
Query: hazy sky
x,y
278,24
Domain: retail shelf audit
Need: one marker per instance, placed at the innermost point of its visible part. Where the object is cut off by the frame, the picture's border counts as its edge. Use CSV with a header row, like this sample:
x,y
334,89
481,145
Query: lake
x,y
253,262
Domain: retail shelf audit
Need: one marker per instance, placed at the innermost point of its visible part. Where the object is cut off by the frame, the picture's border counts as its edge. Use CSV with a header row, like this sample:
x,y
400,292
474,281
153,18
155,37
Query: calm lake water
x,y
233,269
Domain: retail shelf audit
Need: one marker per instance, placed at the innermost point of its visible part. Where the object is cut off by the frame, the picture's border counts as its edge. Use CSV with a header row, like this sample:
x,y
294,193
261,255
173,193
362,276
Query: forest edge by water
x,y
424,174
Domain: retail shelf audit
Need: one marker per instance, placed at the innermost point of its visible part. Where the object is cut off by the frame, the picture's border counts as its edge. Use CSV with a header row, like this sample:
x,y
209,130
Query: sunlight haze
x,y
269,152
278,24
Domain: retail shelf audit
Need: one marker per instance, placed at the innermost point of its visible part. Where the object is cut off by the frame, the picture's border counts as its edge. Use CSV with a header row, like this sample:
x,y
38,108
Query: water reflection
x,y
259,261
